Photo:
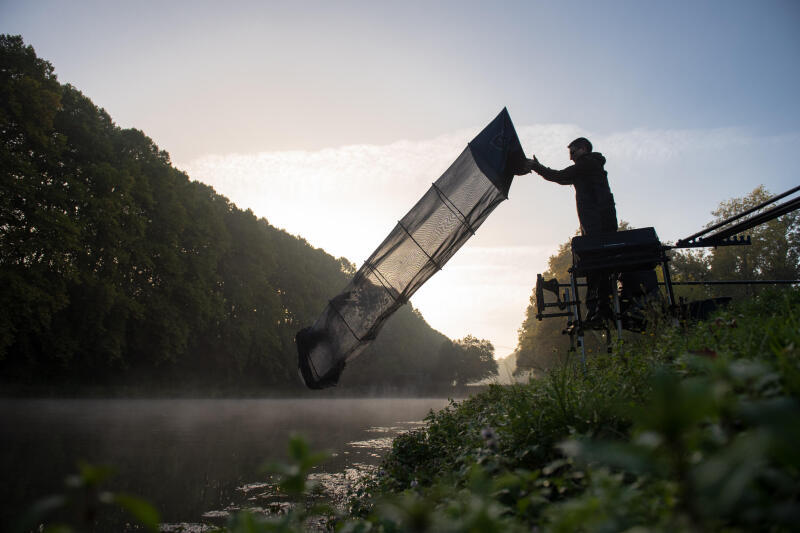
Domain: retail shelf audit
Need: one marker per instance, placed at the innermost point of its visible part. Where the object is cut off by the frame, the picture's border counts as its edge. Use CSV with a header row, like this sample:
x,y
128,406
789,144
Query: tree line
x,y
118,268
773,255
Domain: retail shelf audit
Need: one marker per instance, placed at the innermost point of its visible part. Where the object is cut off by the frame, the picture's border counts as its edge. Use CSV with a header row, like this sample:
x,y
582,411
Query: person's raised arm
x,y
562,177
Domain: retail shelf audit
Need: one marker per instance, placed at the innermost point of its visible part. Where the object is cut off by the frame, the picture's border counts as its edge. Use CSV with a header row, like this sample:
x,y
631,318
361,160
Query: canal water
x,y
196,461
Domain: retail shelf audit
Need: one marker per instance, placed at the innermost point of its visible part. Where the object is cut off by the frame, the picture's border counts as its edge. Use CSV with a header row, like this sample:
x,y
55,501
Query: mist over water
x,y
188,457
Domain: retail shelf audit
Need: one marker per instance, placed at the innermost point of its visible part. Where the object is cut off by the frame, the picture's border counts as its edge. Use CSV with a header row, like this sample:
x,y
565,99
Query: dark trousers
x,y
598,293
598,282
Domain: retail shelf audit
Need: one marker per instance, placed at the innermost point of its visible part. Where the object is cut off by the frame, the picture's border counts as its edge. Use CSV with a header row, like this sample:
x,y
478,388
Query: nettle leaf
x,y
142,511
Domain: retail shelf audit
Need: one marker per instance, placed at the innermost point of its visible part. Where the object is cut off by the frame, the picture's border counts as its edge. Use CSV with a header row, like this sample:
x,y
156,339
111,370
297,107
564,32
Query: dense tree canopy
x,y
465,360
773,255
117,268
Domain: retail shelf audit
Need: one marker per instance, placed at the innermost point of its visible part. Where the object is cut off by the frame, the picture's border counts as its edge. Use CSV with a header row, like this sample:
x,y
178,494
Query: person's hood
x,y
595,159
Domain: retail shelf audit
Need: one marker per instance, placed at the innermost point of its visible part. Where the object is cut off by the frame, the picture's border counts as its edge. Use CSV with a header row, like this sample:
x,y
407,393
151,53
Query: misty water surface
x,y
190,458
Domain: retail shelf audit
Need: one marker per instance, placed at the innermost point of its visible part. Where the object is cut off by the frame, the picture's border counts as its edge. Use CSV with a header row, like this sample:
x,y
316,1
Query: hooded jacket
x,y
596,210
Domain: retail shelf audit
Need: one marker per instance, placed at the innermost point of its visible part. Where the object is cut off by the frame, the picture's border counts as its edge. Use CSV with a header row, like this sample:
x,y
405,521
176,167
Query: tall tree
x,y
775,249
38,238
466,360
773,254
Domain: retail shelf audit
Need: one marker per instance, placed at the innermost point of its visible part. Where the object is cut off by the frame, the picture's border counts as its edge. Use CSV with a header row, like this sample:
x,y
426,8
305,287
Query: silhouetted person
x,y
596,210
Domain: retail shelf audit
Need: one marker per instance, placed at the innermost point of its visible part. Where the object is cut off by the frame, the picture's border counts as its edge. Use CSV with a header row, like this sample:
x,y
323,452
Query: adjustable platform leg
x,y
617,313
668,284
570,326
576,308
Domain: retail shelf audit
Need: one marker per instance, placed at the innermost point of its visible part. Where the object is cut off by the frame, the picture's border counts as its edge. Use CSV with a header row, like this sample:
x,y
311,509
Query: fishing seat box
x,y
620,251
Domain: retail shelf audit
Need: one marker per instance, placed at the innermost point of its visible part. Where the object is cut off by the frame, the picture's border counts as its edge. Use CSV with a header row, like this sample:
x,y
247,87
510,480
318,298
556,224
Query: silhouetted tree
x,y
465,360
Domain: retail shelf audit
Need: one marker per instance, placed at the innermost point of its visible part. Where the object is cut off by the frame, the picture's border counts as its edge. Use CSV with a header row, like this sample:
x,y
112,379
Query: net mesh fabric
x,y
420,244
435,228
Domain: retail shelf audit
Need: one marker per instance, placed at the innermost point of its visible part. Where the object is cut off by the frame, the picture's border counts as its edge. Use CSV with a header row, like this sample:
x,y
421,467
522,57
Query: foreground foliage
x,y
689,428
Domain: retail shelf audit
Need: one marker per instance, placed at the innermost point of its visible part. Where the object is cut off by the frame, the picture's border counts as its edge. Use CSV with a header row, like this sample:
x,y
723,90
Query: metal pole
x,y
742,282
668,283
617,313
755,220
577,317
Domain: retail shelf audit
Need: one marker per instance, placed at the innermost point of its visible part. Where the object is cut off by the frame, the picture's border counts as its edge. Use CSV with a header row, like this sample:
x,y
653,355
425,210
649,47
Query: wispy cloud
x,y
330,195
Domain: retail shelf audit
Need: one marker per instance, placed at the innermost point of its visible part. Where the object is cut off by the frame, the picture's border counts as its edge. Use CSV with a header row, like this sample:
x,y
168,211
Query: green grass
x,y
693,427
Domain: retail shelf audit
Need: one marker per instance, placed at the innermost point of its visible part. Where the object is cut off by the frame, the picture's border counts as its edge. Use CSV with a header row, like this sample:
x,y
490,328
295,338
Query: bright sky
x,y
330,119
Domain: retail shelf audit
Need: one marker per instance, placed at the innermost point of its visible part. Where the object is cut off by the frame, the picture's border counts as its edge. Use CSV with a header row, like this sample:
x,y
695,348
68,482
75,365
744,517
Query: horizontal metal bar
x,y
708,242
736,282
551,315
732,282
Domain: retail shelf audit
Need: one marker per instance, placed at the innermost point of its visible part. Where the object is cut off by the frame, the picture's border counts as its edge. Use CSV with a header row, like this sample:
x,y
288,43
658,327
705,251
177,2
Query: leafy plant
x,y
82,503
689,427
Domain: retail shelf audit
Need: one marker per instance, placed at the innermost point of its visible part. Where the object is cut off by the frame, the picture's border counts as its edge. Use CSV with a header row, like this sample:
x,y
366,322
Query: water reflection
x,y
196,460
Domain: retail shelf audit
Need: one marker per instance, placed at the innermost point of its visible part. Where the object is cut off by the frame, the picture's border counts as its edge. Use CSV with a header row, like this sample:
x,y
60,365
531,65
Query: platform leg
x,y
668,284
617,313
576,310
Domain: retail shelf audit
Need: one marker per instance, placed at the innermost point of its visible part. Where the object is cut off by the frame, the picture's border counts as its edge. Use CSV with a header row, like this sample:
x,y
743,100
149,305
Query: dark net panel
x,y
422,242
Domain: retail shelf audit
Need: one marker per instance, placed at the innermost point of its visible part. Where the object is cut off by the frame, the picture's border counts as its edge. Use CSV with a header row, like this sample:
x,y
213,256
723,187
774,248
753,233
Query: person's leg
x,y
598,295
603,284
591,297
601,281
594,222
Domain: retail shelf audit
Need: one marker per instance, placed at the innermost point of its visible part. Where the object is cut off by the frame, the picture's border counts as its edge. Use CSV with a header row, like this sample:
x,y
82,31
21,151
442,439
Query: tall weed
x,y
684,427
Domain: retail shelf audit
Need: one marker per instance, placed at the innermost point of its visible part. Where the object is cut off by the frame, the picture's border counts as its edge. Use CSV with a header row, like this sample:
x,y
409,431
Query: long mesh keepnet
x,y
422,242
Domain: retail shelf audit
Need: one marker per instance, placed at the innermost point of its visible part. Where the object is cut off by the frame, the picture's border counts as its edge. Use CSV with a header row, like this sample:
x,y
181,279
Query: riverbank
x,y
684,429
